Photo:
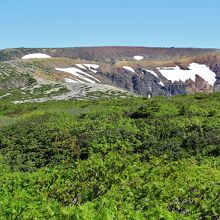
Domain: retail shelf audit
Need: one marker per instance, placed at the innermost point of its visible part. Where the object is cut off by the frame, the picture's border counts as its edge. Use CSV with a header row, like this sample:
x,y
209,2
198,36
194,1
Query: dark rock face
x,y
152,83
143,83
176,89
217,85
216,69
136,81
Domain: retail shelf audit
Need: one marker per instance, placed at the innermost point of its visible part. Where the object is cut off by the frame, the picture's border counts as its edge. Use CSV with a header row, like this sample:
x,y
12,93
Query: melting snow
x,y
176,74
72,81
36,56
92,67
81,66
161,83
152,72
138,57
129,68
168,68
78,73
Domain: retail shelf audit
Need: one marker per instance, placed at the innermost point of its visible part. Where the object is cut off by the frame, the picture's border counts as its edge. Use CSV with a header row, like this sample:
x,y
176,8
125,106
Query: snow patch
x,y
75,72
161,83
177,74
36,56
67,80
129,68
152,72
169,68
92,67
81,66
138,58
78,73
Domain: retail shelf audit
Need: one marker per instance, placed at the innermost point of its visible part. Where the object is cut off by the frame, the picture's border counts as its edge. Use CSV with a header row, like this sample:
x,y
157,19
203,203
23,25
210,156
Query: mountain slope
x,y
137,70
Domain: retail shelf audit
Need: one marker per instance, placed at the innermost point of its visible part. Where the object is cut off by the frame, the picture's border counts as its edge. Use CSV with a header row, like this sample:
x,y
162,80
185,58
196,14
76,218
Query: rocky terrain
x,y
38,74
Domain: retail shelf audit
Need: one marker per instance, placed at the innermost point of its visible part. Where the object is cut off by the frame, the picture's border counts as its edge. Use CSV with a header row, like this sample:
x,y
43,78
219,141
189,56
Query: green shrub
x,y
111,159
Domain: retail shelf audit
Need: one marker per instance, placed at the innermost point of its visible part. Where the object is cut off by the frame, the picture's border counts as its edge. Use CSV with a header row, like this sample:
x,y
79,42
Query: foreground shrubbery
x,y
117,159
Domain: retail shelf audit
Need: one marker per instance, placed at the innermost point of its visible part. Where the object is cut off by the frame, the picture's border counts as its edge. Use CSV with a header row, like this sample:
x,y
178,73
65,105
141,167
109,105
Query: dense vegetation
x,y
130,158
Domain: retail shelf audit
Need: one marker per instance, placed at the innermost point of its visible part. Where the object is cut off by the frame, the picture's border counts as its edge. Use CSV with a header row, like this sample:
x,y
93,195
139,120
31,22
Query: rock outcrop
x,y
216,69
199,86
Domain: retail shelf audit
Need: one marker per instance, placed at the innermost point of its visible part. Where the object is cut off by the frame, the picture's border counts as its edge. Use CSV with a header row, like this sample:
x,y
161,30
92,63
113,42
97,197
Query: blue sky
x,y
72,23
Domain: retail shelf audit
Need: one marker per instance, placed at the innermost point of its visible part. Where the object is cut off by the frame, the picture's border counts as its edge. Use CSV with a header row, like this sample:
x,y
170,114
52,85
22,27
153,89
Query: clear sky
x,y
73,23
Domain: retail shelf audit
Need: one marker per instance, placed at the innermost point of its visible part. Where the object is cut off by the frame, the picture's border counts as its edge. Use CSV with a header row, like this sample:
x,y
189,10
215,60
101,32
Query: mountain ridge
x,y
114,50
145,71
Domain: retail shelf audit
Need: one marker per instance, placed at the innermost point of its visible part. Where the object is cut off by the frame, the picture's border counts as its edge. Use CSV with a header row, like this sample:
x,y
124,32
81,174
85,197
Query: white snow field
x,y
176,74
138,58
36,56
129,68
78,73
